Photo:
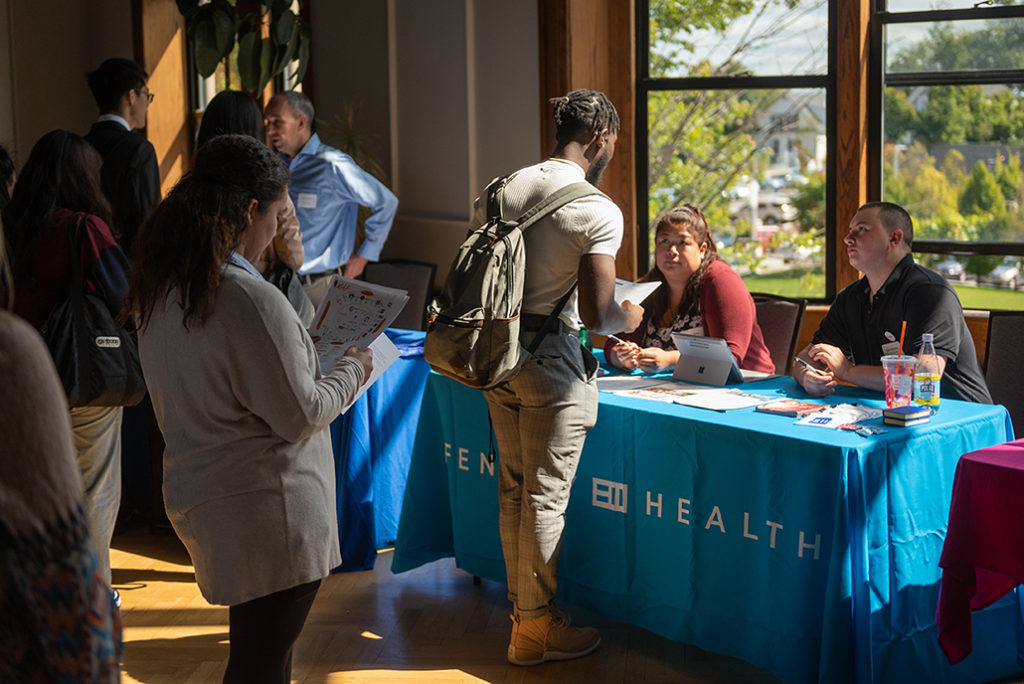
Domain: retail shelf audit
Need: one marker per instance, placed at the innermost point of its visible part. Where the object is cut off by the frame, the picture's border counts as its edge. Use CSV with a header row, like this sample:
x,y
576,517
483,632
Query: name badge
x,y
890,348
307,200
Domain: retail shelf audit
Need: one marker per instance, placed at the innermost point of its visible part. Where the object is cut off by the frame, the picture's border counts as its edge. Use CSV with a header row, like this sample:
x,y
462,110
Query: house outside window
x,y
735,99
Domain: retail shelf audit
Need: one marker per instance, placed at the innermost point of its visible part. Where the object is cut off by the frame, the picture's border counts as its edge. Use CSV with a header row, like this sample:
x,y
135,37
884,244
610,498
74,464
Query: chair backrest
x,y
416,277
1004,363
780,319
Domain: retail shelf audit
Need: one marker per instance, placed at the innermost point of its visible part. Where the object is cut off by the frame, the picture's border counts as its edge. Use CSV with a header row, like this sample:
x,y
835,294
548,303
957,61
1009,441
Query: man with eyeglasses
x,y
130,175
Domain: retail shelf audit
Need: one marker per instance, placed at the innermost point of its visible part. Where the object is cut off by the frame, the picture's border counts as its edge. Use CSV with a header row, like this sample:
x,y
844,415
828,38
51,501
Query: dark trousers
x,y
262,633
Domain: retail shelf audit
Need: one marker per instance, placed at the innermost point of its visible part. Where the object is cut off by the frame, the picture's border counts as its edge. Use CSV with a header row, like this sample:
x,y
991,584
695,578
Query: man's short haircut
x,y
300,105
894,216
581,114
115,77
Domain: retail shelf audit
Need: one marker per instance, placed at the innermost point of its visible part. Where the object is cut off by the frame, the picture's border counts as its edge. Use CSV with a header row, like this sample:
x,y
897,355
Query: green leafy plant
x,y
215,28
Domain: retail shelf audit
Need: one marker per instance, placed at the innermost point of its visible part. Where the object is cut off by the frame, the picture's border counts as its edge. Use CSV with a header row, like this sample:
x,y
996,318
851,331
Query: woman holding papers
x,y
701,295
248,467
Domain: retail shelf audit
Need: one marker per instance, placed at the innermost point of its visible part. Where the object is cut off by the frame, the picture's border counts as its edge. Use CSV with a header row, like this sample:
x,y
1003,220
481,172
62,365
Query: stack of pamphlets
x,y
355,313
902,416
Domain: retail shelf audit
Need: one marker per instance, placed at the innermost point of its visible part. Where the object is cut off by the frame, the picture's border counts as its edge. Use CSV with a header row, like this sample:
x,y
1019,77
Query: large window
x,y
735,98
953,139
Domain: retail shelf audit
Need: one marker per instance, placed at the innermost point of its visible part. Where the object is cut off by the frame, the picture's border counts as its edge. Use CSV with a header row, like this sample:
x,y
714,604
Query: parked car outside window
x,y
951,269
1006,274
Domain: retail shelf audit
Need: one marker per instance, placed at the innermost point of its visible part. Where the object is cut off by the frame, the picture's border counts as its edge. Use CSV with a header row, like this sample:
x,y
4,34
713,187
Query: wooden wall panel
x,y
977,324
161,49
590,44
852,79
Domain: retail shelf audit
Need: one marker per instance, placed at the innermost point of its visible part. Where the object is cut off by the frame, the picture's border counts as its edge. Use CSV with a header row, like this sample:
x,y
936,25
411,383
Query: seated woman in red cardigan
x,y
701,295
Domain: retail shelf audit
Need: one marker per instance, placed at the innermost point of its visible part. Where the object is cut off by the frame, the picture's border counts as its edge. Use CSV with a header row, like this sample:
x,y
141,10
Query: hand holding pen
x,y
817,381
625,352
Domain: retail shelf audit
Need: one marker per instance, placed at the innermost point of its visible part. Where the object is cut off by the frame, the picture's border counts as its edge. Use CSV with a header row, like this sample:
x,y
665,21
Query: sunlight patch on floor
x,y
378,676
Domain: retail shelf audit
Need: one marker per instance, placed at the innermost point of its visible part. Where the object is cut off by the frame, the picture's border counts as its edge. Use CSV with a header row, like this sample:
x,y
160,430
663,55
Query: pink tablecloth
x,y
983,556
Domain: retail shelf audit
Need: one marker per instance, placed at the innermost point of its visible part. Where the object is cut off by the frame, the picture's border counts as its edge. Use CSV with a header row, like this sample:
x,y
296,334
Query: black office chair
x,y
780,319
1004,363
416,277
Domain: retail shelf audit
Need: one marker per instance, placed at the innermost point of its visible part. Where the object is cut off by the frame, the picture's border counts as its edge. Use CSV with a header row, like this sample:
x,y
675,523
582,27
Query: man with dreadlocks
x,y
541,416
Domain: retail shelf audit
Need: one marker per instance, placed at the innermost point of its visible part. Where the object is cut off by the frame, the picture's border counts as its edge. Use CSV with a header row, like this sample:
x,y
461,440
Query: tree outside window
x,y
953,143
734,93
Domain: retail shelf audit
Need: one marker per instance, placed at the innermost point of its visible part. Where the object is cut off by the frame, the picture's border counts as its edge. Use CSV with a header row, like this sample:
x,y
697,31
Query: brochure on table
x,y
699,396
839,415
355,313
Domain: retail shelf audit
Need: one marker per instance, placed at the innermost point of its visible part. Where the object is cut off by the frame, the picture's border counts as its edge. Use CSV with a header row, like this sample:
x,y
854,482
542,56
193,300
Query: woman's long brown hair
x,y
183,245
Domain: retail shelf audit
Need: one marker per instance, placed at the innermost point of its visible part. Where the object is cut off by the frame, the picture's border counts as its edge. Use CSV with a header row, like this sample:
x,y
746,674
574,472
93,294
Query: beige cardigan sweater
x,y
248,468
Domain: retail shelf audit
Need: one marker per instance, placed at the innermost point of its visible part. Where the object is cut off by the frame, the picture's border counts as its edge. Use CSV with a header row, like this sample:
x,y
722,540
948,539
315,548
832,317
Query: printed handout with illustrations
x,y
355,313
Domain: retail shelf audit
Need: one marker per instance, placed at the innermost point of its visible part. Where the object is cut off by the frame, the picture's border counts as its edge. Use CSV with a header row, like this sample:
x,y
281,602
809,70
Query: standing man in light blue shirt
x,y
328,188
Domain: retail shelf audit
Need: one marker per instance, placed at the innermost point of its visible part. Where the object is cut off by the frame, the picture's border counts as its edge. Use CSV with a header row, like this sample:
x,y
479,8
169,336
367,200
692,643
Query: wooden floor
x,y
428,625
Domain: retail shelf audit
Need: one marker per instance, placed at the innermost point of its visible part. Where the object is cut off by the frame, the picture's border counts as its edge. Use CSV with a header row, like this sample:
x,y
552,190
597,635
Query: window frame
x,y
646,84
880,18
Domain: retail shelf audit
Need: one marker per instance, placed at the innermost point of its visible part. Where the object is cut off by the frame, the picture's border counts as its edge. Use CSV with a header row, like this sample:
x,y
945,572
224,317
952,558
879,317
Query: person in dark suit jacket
x,y
130,176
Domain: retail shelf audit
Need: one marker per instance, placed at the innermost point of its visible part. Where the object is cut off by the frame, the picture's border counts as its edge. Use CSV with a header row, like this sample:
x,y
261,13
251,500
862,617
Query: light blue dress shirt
x,y
328,187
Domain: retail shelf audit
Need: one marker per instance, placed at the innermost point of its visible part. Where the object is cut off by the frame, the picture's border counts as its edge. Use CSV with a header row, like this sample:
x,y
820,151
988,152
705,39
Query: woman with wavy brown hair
x,y
59,618
700,294
57,194
237,390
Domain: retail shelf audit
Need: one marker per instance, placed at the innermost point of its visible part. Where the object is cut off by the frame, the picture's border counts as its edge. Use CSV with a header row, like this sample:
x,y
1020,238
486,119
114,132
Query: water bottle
x,y
926,375
584,338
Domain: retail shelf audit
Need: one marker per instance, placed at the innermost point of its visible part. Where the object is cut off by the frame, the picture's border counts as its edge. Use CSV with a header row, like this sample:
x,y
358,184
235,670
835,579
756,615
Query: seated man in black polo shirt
x,y
865,320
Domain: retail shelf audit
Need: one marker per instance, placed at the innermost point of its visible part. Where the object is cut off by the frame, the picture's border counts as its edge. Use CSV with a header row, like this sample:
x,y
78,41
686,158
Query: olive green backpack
x,y
473,329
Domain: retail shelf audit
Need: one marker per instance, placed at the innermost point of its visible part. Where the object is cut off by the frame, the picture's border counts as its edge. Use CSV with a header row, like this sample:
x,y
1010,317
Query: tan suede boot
x,y
549,637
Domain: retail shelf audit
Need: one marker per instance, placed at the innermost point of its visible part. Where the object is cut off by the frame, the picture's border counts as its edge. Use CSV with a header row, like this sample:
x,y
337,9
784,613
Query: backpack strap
x,y
548,205
545,206
549,322
556,201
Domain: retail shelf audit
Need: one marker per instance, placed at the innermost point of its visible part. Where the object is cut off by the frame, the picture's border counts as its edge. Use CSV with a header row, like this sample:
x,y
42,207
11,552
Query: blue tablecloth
x,y
810,552
372,449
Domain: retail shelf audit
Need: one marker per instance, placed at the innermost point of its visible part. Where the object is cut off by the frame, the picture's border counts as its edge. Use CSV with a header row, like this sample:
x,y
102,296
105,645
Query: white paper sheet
x,y
624,383
634,292
384,354
723,399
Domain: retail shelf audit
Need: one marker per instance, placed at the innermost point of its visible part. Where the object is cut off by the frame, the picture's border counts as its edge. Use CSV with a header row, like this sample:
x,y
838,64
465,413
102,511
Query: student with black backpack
x,y
542,412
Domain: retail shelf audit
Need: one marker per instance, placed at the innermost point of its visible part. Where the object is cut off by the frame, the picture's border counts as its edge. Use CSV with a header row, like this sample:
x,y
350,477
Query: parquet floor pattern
x,y
431,625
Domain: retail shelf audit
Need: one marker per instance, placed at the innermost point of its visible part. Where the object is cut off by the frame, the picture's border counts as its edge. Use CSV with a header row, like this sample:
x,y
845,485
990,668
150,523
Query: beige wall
x,y
350,69
447,95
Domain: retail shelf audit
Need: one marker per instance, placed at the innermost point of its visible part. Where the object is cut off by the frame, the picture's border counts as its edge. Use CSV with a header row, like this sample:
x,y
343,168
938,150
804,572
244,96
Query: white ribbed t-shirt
x,y
554,245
